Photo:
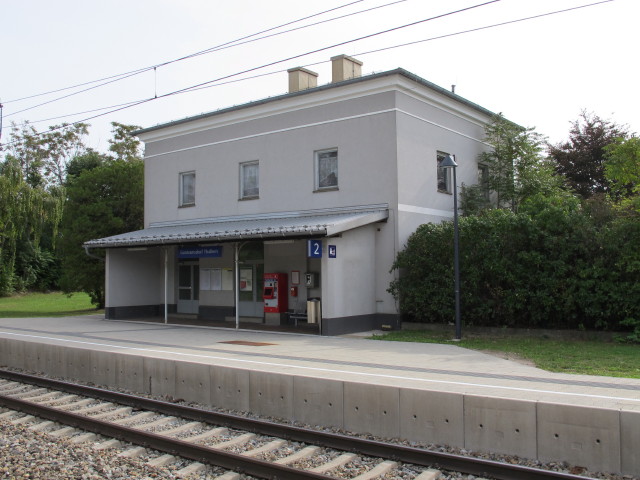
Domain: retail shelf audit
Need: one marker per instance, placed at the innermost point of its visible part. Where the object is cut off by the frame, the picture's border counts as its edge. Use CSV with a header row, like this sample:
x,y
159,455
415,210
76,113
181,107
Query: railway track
x,y
253,447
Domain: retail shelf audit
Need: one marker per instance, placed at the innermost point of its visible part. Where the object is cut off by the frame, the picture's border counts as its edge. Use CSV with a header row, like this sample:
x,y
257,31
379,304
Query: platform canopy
x,y
249,227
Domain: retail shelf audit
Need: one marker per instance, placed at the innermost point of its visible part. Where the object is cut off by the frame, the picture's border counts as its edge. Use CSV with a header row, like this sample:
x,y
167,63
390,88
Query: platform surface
x,y
444,368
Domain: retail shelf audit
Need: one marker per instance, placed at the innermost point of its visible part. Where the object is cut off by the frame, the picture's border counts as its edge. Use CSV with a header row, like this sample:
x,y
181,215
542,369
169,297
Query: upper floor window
x,y
187,189
326,169
444,174
249,180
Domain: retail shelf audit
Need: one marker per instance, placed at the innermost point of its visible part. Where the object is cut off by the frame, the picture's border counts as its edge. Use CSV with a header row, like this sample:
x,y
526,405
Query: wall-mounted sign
x,y
196,251
333,251
314,248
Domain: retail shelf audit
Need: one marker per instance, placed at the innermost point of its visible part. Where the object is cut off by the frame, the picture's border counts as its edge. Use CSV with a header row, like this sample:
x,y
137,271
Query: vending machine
x,y
275,294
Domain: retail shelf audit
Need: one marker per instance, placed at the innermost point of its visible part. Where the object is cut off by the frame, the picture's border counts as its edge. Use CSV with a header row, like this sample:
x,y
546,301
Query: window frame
x,y
243,195
316,168
182,193
445,172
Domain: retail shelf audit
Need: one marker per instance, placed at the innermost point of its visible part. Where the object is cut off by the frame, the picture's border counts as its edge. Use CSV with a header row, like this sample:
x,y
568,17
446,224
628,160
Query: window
x,y
483,180
444,175
326,169
249,180
187,189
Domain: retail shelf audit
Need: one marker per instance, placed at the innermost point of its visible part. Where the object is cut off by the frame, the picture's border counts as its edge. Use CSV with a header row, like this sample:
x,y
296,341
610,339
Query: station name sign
x,y
197,251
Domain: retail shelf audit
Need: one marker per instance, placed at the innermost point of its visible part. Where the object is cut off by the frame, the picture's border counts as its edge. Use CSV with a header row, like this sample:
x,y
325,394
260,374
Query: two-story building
x,y
322,185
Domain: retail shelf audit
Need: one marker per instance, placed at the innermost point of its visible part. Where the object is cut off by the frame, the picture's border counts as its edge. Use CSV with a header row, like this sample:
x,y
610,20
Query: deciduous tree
x,y
105,197
26,212
516,169
581,159
622,171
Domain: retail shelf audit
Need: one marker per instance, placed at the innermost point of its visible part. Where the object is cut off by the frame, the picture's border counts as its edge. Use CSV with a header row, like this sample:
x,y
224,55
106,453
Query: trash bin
x,y
314,311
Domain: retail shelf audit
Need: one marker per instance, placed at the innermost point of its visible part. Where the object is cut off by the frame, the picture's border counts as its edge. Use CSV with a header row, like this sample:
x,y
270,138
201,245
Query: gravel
x,y
26,454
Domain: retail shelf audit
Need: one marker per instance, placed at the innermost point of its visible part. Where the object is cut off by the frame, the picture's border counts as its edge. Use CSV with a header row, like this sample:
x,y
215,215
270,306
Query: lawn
x,y
53,304
590,357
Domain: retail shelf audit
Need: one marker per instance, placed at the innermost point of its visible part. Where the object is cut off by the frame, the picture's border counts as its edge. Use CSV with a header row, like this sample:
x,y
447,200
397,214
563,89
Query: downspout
x,y
86,250
238,246
237,283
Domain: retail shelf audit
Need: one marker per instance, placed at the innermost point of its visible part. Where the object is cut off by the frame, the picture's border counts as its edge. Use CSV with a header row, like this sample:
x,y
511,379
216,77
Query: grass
x,y
53,304
588,357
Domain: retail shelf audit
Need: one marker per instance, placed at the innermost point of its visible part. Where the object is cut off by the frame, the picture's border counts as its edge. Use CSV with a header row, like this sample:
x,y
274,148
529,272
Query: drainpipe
x,y
238,247
237,283
86,250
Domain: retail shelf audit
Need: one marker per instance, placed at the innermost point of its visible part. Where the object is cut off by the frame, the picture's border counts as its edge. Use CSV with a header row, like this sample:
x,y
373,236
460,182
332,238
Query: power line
x,y
229,44
224,46
81,113
508,22
193,87
217,82
276,62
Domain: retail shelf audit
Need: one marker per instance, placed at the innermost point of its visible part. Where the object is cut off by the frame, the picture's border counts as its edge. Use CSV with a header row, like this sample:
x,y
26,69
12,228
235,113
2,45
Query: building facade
x,y
322,185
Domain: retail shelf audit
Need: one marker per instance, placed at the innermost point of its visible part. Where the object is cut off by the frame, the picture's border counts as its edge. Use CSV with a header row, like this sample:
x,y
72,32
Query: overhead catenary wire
x,y
276,62
146,69
232,43
218,82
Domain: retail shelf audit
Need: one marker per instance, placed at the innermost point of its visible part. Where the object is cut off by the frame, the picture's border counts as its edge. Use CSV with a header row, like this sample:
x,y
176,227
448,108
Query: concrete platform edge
x,y
599,439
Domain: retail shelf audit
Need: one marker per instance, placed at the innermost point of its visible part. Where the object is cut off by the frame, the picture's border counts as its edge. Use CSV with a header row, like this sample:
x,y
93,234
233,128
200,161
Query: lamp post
x,y
449,162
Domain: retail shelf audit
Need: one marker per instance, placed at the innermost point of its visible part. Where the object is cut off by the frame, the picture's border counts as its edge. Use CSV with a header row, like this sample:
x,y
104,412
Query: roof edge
x,y
365,78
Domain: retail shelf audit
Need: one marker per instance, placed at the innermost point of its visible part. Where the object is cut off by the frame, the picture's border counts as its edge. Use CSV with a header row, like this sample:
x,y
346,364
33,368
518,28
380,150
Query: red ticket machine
x,y
275,294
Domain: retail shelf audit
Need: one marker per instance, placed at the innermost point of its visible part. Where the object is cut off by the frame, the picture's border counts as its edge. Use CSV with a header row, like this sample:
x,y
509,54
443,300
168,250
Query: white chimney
x,y
301,79
344,67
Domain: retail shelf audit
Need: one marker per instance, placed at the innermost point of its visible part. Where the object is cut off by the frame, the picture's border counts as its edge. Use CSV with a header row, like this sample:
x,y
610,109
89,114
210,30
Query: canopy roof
x,y
248,227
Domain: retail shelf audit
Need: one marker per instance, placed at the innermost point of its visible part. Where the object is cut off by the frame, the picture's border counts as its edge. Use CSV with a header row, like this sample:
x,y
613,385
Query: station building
x,y
291,210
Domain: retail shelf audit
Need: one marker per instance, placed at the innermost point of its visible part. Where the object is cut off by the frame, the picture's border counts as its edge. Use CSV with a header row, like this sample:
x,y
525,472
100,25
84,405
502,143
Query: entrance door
x,y
251,282
188,287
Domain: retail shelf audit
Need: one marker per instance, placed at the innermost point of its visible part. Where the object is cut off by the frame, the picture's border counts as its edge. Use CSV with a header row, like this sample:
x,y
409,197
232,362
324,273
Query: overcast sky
x,y
539,73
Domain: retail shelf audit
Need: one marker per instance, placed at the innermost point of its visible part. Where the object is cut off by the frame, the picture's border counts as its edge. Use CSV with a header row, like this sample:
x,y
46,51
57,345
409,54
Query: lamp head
x,y
448,162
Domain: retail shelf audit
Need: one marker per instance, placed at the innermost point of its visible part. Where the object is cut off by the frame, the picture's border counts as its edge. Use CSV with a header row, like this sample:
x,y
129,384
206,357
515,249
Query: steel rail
x,y
401,453
210,455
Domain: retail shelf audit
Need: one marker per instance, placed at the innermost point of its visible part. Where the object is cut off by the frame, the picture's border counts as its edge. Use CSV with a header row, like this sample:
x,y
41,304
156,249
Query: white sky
x,y
539,73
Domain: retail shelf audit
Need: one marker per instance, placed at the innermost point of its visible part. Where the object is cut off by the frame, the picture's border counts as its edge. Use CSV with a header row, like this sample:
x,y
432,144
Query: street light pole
x,y
449,162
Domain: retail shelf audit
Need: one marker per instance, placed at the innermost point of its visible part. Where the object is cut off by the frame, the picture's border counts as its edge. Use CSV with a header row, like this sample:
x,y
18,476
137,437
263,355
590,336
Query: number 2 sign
x,y
314,248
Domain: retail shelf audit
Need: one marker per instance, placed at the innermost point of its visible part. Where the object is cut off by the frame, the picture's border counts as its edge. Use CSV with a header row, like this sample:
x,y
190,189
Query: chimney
x,y
344,67
301,79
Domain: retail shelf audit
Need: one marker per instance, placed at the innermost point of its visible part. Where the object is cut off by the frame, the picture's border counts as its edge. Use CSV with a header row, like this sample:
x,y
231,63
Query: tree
x,y
26,148
515,169
33,173
87,161
43,156
105,196
60,144
26,213
622,171
102,201
124,145
581,159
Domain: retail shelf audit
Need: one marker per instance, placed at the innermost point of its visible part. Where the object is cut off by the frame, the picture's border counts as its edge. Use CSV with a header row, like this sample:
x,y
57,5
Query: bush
x,y
547,266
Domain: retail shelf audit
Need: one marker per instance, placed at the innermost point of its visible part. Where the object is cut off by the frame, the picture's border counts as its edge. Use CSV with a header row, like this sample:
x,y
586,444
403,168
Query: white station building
x,y
291,210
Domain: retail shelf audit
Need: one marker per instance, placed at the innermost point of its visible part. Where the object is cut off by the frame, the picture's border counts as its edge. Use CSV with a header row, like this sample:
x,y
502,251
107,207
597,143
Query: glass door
x,y
188,287
251,282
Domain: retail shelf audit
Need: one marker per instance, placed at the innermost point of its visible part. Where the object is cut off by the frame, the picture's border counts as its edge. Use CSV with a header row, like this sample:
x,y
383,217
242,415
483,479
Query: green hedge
x,y
547,266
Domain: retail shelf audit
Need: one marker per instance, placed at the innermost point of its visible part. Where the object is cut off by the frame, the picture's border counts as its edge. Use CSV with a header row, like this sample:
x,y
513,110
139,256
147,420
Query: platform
x,y
426,393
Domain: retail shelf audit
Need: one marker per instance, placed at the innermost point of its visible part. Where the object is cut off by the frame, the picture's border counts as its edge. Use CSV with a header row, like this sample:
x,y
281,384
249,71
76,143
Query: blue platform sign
x,y
314,248
333,251
196,251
